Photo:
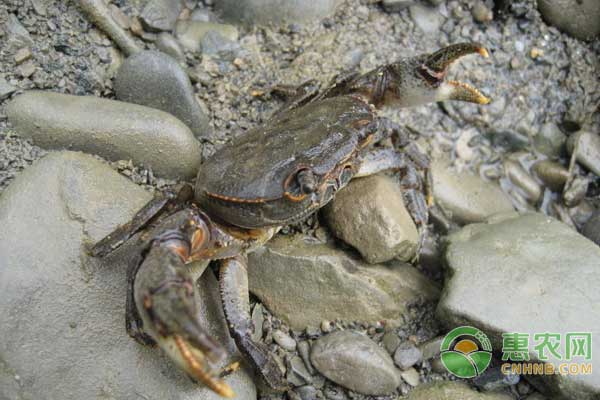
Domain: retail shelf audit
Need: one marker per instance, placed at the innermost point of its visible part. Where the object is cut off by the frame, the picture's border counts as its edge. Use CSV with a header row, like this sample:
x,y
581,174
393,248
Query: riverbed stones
x,y
304,283
369,214
354,361
112,129
62,317
448,390
407,355
588,149
465,197
267,12
191,33
550,140
156,80
160,15
529,264
578,18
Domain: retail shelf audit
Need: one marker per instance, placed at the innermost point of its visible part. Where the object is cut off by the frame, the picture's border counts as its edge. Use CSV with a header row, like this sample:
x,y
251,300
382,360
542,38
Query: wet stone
x,y
160,15
465,197
297,373
58,302
304,283
539,257
407,355
156,80
552,174
391,341
369,214
356,362
591,229
111,129
521,178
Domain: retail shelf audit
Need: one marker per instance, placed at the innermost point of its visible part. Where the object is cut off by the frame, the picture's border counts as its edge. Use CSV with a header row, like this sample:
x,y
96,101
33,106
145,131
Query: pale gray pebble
x,y
588,153
266,12
156,80
550,140
214,43
190,33
166,43
465,197
160,15
391,341
575,191
284,340
520,177
411,376
481,13
307,392
351,213
427,19
111,129
356,362
6,89
258,320
297,373
407,355
304,351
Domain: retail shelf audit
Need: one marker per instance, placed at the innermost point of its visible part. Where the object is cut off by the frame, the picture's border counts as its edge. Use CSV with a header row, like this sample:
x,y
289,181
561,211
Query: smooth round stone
x,y
111,129
549,140
465,197
407,355
552,174
160,15
579,18
521,178
356,362
265,12
62,313
370,215
156,80
284,340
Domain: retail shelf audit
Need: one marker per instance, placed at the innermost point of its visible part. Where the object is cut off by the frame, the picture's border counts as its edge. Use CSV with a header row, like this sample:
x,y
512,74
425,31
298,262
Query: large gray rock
x,y
446,390
579,18
354,361
62,319
156,80
588,149
263,12
112,129
305,283
465,197
530,274
369,214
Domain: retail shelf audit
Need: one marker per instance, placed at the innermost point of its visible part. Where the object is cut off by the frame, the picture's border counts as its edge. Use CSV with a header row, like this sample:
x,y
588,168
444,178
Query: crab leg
x,y
163,300
236,304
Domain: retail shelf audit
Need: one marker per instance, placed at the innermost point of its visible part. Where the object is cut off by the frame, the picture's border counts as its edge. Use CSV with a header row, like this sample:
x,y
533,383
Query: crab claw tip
x,y
484,53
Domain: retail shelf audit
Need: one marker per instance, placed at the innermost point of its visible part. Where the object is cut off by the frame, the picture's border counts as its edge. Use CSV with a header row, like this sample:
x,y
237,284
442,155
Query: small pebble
x,y
391,341
326,326
407,355
411,376
22,55
284,340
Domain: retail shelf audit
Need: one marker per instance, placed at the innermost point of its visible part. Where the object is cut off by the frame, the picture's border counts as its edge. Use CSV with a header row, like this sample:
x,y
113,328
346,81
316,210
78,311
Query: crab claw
x,y
435,67
165,298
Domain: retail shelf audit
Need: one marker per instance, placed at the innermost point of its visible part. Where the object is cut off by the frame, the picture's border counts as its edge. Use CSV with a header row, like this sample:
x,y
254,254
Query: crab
x,y
271,176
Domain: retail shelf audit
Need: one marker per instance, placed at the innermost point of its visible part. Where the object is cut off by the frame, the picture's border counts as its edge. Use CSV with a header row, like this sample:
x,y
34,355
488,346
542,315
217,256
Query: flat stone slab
x,y
526,273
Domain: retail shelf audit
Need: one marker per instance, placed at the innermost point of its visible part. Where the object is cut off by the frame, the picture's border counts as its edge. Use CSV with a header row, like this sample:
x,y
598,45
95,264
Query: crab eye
x,y
300,184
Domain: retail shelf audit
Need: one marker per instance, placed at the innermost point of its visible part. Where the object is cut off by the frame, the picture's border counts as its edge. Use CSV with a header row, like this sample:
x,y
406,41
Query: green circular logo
x,y
466,352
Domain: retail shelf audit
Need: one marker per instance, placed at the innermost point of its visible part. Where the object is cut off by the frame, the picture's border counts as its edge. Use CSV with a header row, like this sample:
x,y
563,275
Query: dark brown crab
x,y
273,175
